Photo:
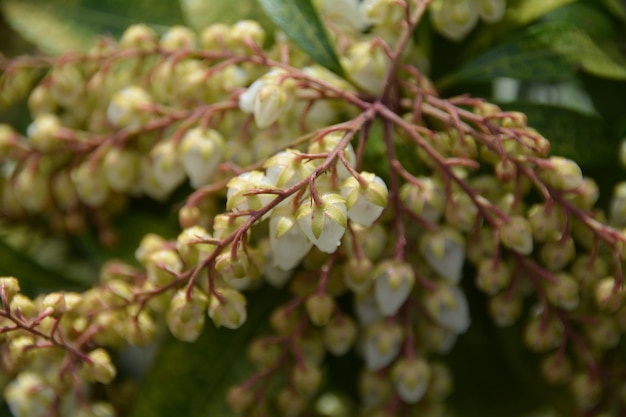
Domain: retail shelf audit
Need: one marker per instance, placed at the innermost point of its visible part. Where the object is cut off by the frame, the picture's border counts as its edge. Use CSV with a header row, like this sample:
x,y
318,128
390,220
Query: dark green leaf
x,y
575,135
549,51
201,13
300,21
57,26
191,379
33,277
588,16
616,7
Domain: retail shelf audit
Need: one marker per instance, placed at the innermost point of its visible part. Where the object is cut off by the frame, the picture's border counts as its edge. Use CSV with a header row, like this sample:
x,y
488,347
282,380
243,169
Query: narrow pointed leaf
x,y
300,21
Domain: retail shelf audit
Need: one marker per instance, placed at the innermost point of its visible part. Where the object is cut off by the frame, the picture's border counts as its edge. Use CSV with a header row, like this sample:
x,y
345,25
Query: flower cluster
x,y
285,186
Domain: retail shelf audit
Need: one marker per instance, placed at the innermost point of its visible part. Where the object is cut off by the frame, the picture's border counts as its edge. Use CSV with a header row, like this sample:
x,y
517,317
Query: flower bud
x,y
556,254
588,270
91,184
29,395
288,242
139,36
440,385
244,32
121,168
290,403
54,303
374,388
319,308
325,224
23,306
42,133
306,379
150,243
340,334
142,330
127,107
393,284
286,168
603,332
462,212
9,287
357,274
367,65
185,316
239,272
31,188
544,333
493,276
448,307
382,344
561,173
263,353
344,14
491,11
166,167
228,308
556,368
239,398
364,204
586,389
505,309
609,297
454,18
178,38
191,245
411,378
444,251
240,196
517,235
162,266
100,369
215,37
426,200
201,150
563,292
382,13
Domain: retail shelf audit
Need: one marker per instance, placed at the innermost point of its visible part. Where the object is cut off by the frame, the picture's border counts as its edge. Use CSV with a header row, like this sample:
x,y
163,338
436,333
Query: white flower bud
x,y
426,200
121,168
239,197
286,168
201,150
454,18
326,224
393,284
387,13
382,344
166,166
517,235
127,107
342,13
364,204
411,378
562,174
444,250
29,395
90,183
185,315
41,133
288,242
327,144
448,307
228,308
366,308
367,65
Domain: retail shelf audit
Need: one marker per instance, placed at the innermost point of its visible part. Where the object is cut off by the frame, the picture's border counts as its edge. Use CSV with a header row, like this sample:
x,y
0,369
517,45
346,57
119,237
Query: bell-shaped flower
x,y
444,250
393,284
325,224
127,107
288,242
364,203
287,168
366,308
448,307
241,194
367,65
200,152
454,18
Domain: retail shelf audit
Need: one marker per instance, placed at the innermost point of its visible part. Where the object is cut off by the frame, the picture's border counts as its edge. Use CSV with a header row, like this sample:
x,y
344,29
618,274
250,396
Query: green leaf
x,y
548,51
56,26
590,17
575,135
616,7
191,380
201,13
33,277
300,21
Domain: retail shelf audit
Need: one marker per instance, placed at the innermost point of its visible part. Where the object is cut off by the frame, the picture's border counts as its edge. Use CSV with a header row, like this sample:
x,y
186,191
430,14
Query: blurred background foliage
x,y
562,62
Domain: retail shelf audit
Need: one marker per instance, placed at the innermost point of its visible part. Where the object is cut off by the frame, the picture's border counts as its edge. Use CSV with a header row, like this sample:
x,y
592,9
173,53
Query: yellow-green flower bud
x,y
411,378
228,308
178,38
306,379
319,308
544,333
101,369
561,173
139,36
556,368
493,276
563,292
186,314
517,235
